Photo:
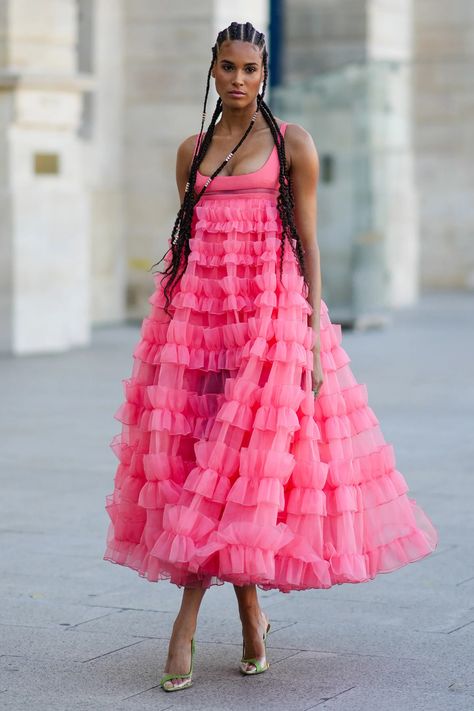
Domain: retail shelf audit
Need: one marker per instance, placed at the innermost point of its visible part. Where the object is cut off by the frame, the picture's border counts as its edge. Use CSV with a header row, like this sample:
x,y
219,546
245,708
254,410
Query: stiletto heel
x,y
187,679
260,663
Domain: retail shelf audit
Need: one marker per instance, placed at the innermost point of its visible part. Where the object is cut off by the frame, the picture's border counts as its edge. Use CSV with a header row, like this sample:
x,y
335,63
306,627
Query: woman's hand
x,y
317,376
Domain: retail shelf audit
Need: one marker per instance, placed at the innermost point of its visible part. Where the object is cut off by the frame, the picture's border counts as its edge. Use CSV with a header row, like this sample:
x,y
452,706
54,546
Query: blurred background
x,y
96,95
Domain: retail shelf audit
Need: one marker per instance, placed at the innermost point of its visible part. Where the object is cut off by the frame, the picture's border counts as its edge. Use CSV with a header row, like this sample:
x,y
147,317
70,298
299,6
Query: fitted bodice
x,y
266,178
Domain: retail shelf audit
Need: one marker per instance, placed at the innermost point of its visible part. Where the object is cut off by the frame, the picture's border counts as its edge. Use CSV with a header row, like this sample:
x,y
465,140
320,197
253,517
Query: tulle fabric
x,y
229,470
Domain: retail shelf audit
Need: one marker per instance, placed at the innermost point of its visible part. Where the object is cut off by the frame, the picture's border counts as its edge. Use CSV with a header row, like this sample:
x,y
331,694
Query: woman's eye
x,y
229,67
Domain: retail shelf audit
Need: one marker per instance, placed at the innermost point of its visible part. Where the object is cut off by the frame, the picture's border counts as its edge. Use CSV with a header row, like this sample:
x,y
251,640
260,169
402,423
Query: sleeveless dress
x,y
229,468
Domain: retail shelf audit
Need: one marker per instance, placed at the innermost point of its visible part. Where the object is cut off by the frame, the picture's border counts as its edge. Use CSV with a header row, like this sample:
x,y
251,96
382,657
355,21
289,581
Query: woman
x,y
248,451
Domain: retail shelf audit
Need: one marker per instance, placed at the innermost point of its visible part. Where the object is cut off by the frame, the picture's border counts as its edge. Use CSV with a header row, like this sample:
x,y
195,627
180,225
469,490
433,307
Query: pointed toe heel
x,y
260,664
166,681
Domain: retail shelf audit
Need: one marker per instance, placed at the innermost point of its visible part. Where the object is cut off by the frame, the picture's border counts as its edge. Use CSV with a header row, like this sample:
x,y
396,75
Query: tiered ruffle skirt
x,y
228,468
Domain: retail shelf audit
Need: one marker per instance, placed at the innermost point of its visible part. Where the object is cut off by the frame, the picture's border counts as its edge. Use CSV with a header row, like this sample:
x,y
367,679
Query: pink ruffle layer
x,y
229,468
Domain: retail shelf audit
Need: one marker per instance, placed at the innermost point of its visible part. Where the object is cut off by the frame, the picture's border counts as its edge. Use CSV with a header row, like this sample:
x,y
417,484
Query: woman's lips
x,y
236,93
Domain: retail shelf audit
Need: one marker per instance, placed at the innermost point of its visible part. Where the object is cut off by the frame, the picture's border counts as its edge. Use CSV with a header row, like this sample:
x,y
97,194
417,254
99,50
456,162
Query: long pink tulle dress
x,y
229,468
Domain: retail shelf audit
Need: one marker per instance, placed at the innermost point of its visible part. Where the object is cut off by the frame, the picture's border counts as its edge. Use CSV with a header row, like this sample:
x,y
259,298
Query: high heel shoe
x,y
260,663
187,679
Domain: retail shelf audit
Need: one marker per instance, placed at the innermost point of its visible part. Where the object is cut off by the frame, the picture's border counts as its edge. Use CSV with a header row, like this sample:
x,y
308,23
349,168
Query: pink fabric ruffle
x,y
228,468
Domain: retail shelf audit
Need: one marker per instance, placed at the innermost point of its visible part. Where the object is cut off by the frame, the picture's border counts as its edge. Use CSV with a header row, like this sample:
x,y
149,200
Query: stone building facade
x,y
95,96
435,41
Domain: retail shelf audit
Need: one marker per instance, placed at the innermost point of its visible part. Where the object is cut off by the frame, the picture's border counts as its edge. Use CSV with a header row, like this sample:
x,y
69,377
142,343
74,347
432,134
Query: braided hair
x,y
285,203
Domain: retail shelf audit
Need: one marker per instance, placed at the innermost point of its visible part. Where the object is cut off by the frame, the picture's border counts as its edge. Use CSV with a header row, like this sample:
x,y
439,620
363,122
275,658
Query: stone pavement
x,y
81,633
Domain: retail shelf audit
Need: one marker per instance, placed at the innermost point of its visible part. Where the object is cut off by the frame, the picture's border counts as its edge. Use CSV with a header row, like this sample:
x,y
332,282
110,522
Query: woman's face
x,y
238,72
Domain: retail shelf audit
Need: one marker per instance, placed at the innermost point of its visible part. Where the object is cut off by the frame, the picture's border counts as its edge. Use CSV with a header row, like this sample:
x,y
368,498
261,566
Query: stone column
x,y
45,248
101,52
390,39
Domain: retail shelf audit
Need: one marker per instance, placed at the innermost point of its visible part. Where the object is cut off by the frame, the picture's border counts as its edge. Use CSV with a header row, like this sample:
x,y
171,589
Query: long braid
x,y
198,142
285,202
182,229
180,243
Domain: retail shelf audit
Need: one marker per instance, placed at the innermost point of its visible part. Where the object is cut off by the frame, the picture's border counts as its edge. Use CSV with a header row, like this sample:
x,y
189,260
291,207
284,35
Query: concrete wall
x,y
45,295
101,52
322,35
7,295
390,29
443,99
434,40
322,38
390,39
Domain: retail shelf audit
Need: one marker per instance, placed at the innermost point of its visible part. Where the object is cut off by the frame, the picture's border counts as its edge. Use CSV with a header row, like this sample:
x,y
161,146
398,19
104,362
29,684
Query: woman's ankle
x,y
252,616
185,629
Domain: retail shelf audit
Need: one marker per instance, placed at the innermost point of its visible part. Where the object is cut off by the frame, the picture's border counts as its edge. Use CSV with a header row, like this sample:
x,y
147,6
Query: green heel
x,y
261,664
168,685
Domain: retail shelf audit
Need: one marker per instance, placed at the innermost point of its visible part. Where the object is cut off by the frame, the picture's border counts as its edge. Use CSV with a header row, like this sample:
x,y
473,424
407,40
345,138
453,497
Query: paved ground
x,y
81,633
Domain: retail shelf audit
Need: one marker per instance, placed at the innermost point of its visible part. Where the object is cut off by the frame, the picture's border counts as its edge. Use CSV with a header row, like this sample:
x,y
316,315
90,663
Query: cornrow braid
x,y
182,229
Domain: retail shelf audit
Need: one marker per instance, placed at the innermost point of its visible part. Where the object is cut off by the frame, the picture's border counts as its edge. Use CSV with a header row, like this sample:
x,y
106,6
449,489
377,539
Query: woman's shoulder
x,y
188,143
185,151
299,144
297,134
